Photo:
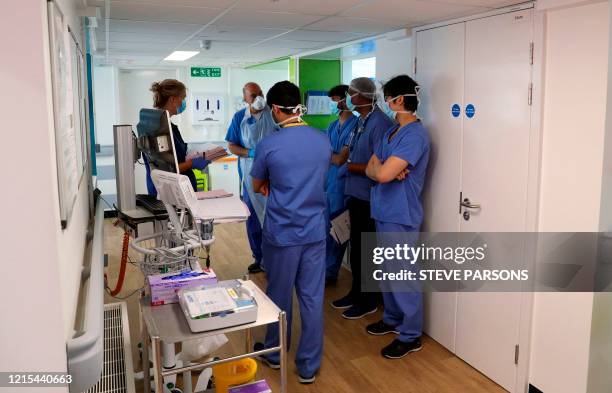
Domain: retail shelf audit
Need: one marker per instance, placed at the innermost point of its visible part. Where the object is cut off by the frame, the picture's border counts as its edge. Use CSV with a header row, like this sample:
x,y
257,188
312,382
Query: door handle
x,y
468,205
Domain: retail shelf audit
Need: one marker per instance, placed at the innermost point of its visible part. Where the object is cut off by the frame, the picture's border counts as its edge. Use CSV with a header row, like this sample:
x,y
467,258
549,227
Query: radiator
x,y
118,371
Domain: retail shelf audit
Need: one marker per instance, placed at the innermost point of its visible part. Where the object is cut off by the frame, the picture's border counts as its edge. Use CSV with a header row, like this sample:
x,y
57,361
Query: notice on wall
x,y
68,172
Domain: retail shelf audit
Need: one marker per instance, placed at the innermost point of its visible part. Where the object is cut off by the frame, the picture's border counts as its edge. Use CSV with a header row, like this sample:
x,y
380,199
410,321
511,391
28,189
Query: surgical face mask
x,y
349,103
258,103
181,108
351,107
333,108
299,110
390,112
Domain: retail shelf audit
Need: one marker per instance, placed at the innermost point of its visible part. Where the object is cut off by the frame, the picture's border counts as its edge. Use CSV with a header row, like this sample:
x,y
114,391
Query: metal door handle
x,y
467,204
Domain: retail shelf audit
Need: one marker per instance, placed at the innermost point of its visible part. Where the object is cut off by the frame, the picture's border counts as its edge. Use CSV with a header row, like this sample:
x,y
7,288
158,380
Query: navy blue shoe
x,y
398,349
342,303
263,359
357,312
255,268
306,380
380,328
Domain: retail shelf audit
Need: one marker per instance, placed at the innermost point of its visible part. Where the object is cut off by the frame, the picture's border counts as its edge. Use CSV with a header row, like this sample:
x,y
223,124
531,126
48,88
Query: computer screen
x,y
155,140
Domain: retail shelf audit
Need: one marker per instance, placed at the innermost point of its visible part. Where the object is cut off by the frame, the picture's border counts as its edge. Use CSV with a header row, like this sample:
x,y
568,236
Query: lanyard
x,y
356,134
300,123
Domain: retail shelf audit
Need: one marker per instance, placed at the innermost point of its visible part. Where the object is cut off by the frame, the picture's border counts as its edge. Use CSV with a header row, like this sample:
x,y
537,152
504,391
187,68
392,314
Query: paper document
x,y
213,194
208,301
209,151
341,228
226,209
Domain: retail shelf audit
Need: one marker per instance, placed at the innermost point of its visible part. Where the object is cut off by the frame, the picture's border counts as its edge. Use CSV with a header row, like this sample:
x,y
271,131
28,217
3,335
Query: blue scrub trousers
x,y
253,227
334,252
403,307
303,268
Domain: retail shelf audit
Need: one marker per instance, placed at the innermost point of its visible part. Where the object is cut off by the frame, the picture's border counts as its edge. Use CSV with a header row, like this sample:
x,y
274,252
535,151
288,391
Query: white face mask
x,y
258,103
299,110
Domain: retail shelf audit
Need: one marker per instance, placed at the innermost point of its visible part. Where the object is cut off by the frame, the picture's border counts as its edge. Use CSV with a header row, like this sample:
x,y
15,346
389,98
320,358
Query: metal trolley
x,y
174,249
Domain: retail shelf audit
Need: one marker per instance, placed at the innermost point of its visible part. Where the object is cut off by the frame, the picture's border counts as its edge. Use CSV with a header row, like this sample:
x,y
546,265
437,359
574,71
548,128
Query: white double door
x,y
475,78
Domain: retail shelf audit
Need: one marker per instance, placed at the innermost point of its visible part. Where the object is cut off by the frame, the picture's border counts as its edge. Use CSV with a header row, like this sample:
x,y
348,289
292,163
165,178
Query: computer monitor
x,y
155,140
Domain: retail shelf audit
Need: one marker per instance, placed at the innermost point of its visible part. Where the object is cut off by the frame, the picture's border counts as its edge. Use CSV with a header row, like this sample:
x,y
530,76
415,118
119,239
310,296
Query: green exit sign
x,y
206,72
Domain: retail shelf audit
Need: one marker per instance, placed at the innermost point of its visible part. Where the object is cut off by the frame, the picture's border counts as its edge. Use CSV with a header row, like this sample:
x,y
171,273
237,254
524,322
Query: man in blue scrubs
x,y
372,124
249,126
294,228
338,133
399,168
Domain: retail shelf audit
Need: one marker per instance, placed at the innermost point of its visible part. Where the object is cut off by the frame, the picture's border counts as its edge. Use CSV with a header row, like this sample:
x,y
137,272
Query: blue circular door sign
x,y
470,111
456,110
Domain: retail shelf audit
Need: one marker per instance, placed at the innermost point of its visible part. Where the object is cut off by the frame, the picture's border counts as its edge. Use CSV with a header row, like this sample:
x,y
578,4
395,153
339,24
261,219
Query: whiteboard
x,y
68,127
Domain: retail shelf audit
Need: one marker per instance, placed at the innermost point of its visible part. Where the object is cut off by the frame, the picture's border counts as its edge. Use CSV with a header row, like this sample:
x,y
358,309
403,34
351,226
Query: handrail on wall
x,y
86,350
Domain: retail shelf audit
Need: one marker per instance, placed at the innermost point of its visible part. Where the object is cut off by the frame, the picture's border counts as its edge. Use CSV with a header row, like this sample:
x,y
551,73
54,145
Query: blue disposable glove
x,y
199,163
251,153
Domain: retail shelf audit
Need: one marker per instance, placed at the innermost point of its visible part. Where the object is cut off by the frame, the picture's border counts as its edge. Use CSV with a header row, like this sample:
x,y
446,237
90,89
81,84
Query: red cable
x,y
124,258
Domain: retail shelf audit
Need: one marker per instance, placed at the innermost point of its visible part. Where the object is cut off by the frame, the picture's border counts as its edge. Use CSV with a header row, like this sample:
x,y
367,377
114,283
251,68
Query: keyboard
x,y
150,203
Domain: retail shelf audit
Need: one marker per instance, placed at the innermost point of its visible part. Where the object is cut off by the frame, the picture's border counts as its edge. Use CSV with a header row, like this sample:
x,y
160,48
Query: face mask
x,y
298,109
390,112
349,103
258,103
351,107
333,108
181,108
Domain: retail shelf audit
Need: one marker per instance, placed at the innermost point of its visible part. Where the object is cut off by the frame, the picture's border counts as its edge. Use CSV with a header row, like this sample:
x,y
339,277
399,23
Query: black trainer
x,y
357,312
342,303
263,359
398,349
380,329
306,380
255,268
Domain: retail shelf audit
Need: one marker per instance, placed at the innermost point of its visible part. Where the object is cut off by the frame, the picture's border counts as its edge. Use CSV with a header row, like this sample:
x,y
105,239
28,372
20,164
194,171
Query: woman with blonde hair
x,y
170,95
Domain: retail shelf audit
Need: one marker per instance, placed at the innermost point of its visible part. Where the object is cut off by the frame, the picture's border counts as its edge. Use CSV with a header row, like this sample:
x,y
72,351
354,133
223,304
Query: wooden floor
x,y
351,359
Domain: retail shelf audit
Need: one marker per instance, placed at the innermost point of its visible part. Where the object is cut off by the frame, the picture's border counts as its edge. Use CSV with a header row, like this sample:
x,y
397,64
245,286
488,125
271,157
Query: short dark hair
x,y
338,91
403,84
284,93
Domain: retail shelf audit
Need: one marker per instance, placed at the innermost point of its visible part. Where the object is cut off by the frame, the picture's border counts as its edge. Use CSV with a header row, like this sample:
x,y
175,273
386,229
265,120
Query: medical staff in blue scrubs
x,y
338,133
368,134
170,95
249,126
399,168
290,168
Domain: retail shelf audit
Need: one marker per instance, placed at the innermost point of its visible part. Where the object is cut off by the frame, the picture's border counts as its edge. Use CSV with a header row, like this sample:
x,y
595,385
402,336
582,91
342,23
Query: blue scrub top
x,y
363,143
233,133
338,135
399,202
295,160
180,147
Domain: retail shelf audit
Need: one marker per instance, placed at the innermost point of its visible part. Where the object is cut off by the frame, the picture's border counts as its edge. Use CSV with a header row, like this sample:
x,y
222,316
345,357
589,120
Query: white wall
x,y
600,359
220,86
576,66
394,56
36,247
105,104
133,94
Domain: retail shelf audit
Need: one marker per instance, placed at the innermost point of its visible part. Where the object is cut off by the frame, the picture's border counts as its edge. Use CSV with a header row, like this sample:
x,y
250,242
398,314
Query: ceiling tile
x,y
313,7
163,13
239,32
149,27
294,44
410,12
324,36
136,37
351,24
266,19
476,3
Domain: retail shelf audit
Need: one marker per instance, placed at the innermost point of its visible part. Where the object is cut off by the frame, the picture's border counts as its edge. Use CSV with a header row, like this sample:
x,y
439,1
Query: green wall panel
x,y
318,75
